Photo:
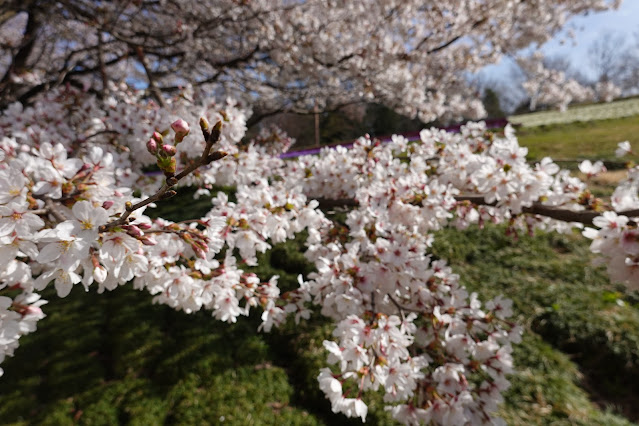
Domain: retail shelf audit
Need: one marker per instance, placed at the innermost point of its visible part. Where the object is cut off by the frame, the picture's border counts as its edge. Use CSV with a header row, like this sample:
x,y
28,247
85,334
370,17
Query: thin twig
x,y
211,137
149,75
53,209
401,308
101,132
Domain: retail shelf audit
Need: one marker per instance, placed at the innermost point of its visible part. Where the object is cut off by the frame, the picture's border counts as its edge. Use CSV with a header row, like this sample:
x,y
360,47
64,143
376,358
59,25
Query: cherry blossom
x,y
74,203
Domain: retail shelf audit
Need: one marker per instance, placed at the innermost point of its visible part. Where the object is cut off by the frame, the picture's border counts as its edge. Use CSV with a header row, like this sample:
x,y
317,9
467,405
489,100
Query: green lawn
x,y
581,140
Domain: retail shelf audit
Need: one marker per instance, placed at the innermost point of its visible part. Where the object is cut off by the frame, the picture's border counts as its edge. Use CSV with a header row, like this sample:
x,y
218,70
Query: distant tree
x,y
606,56
492,104
629,81
381,120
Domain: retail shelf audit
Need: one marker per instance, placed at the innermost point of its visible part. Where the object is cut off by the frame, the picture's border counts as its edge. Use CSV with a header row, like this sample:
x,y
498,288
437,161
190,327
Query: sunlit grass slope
x,y
580,140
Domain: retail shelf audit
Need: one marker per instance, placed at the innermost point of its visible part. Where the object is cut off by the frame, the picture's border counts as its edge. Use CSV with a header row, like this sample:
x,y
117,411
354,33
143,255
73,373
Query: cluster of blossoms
x,y
607,91
73,200
551,87
18,317
73,220
272,141
404,324
277,54
616,239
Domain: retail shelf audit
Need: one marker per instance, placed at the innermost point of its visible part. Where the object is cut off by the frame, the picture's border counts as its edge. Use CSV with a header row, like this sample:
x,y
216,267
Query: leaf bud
x,y
168,194
215,133
204,124
216,155
167,165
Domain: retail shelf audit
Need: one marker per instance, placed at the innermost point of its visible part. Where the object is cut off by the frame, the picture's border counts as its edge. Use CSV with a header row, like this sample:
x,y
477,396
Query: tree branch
x,y
152,86
586,216
53,209
165,192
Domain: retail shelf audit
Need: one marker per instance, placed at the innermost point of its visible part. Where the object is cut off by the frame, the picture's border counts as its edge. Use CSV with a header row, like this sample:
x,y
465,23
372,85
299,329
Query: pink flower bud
x,y
180,127
203,245
158,137
32,310
133,231
199,252
144,226
107,204
148,241
152,146
169,150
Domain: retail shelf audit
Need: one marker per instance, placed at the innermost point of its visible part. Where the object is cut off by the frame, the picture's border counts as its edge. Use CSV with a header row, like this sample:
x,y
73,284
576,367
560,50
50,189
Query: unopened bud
x,y
134,231
169,150
198,252
152,146
215,133
128,205
202,245
204,124
216,155
99,274
172,181
148,241
168,194
144,226
181,129
158,137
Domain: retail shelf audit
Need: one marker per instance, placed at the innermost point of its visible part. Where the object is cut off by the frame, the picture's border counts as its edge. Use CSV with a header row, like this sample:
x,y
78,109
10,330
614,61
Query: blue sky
x,y
587,29
624,20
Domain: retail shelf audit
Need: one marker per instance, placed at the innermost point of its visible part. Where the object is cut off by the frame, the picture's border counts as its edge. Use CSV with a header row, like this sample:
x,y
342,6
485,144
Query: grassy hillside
x,y
586,112
580,140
